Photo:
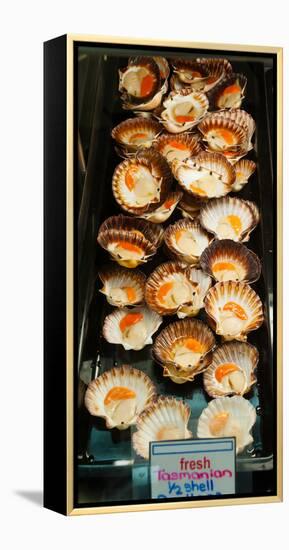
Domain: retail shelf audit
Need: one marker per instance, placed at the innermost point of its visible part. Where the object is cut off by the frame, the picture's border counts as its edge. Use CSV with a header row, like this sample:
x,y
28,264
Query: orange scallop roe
x,y
118,393
129,177
146,85
129,246
164,290
179,234
218,423
130,292
198,190
224,370
223,266
168,203
177,144
233,89
193,345
235,223
184,118
196,74
135,137
236,309
227,136
129,320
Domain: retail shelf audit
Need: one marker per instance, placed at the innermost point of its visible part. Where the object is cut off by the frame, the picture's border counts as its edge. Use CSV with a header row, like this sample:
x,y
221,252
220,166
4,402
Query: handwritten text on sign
x,y
190,468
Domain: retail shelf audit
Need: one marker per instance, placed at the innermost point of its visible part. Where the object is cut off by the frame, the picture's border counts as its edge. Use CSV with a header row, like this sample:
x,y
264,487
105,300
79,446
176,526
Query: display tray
x,y
106,457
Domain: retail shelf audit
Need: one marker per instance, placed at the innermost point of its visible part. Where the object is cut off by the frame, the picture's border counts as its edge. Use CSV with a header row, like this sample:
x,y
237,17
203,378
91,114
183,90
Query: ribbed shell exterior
x,y
135,63
199,234
243,355
123,132
152,233
190,141
124,376
112,332
165,210
244,169
198,100
228,251
217,209
166,415
243,296
215,94
213,123
116,277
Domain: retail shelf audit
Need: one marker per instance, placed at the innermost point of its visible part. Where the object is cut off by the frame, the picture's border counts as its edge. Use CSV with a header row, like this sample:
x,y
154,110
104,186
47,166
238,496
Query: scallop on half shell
x,y
230,218
165,419
183,349
229,93
228,417
129,241
165,210
232,370
186,240
190,206
221,135
136,133
140,184
133,329
183,110
206,176
173,288
234,309
177,147
217,67
119,395
122,287
227,260
244,169
143,83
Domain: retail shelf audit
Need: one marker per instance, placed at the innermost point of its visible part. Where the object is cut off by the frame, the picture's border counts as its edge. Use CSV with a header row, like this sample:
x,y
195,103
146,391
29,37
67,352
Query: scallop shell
x,y
133,329
235,309
183,349
230,218
139,81
135,133
229,93
190,72
177,147
201,282
217,67
140,184
170,290
232,370
163,66
165,210
205,176
165,419
243,171
190,206
119,396
129,241
228,417
212,71
240,117
158,68
122,287
186,240
183,111
221,135
227,260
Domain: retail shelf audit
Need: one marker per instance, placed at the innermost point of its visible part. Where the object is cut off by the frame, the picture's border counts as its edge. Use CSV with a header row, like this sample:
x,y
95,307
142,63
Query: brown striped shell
x,y
136,133
234,309
190,206
119,396
183,349
230,218
183,110
227,260
140,184
122,287
165,210
132,79
244,169
232,370
221,135
178,146
186,240
229,93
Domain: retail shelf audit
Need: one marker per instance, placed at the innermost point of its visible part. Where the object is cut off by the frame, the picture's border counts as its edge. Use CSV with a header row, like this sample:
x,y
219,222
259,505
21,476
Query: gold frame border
x,y
70,510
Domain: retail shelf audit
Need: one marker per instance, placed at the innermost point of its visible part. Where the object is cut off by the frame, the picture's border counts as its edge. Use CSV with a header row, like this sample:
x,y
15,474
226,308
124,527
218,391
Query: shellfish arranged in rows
x,y
234,309
122,287
183,110
227,260
129,241
199,74
133,329
173,288
229,93
136,133
205,176
228,417
177,147
230,218
119,396
141,184
186,240
165,419
228,132
143,83
232,370
183,349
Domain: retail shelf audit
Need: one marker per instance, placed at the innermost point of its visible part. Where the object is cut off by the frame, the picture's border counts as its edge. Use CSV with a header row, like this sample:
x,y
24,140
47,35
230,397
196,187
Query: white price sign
x,y
192,467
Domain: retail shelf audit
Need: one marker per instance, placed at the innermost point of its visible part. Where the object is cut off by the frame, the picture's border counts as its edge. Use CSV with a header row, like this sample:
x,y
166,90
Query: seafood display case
x,y
175,288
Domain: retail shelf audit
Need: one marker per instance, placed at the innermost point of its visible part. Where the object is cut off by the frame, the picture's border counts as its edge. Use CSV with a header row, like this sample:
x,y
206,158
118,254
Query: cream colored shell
x,y
186,240
230,218
227,260
181,106
122,287
135,335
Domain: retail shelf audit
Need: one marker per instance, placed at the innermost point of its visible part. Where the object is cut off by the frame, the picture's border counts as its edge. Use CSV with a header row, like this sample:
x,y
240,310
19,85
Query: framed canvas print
x,y
163,276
